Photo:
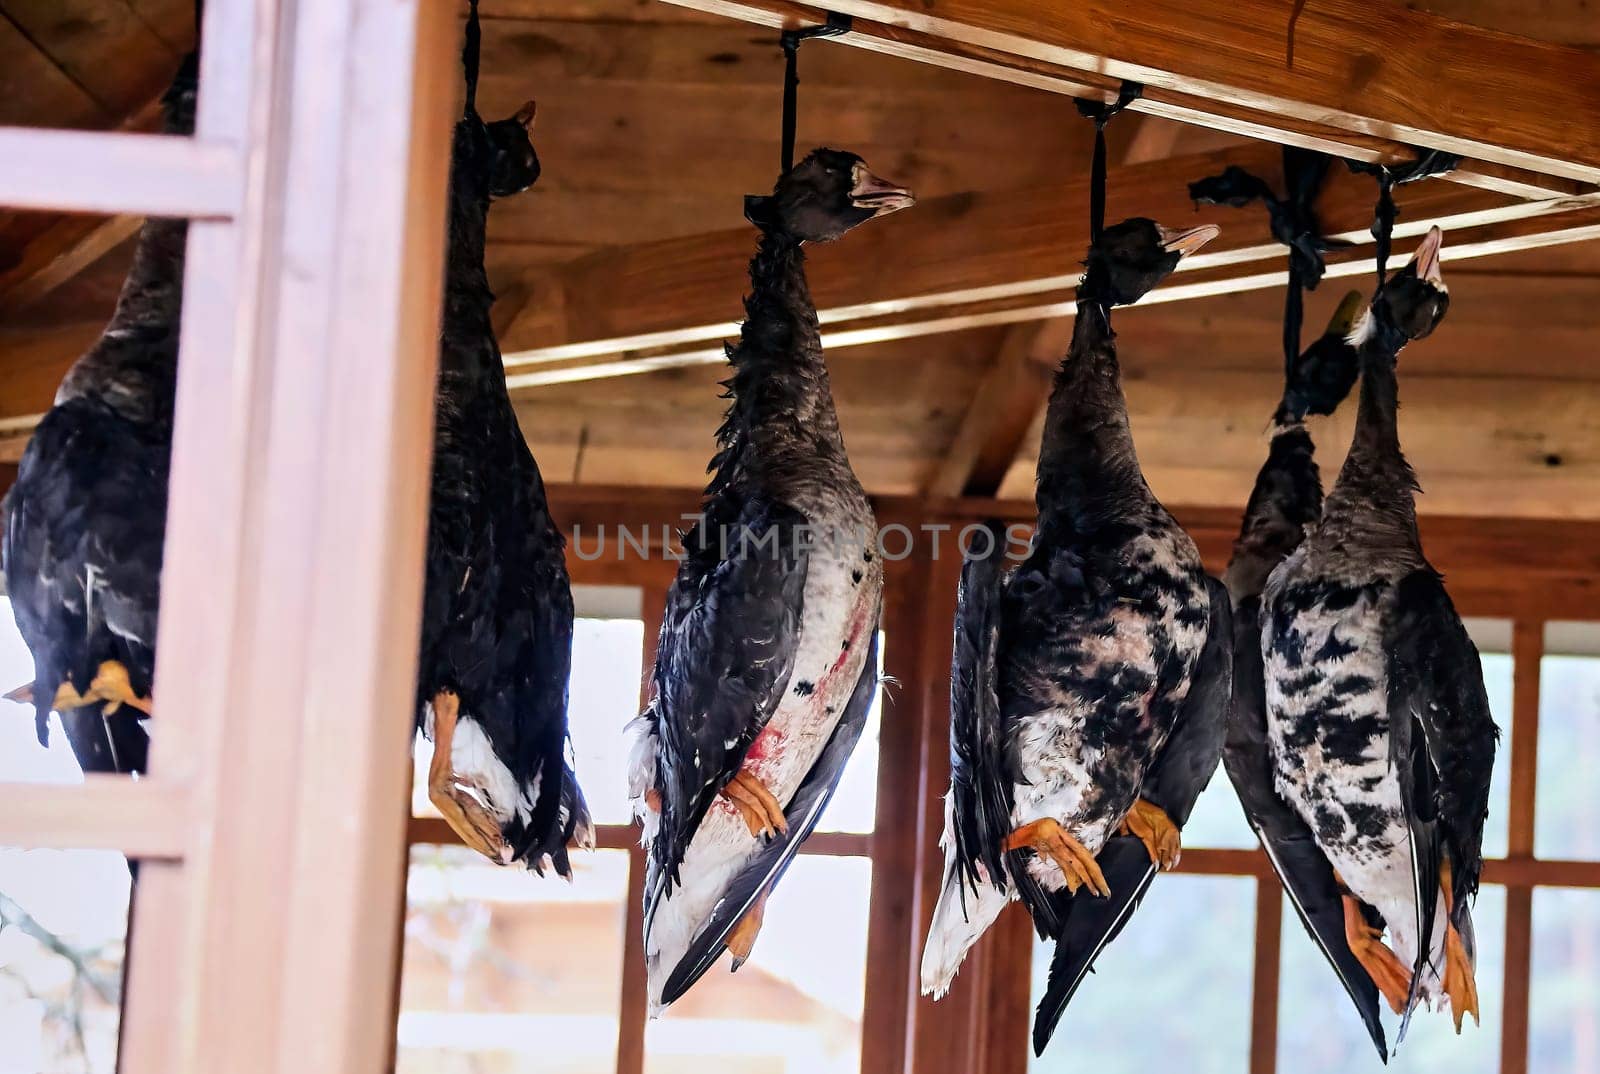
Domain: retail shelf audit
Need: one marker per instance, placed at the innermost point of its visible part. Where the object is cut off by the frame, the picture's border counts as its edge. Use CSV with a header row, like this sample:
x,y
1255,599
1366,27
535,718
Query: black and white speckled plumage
x,y
767,651
85,521
1285,503
1110,668
1377,720
497,608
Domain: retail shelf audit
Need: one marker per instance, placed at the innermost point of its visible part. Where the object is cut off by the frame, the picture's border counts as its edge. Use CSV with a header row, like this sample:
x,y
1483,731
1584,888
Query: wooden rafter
x,y
996,421
70,244
1371,78
965,261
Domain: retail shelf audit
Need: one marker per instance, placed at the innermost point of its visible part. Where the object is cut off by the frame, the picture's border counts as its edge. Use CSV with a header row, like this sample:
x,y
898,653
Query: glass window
x,y
795,1007
1176,982
1564,1022
1493,638
509,973
1218,818
63,922
1566,824
1319,1031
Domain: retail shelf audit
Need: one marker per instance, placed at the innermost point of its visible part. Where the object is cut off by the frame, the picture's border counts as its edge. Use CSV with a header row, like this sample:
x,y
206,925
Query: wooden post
x,y
1527,654
295,537
1264,978
634,1000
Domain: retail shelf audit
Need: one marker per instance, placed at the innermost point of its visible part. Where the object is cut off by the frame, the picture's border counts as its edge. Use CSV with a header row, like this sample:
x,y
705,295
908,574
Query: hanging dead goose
x,y
496,647
1089,687
767,659
1376,717
1286,502
85,521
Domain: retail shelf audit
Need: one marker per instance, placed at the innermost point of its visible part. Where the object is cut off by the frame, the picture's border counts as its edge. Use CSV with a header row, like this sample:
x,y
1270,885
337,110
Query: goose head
x,y
824,196
1132,257
516,166
1415,299
1326,371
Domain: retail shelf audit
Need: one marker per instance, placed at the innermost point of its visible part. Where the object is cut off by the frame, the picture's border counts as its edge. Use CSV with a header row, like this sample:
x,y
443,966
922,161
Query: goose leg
x,y
1375,956
762,813
743,937
112,685
1048,839
1155,829
459,806
1460,979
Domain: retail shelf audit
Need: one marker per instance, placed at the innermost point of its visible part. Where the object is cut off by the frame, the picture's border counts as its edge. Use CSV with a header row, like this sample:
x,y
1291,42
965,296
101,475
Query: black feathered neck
x,y
151,300
471,165
1376,489
1285,501
1088,472
780,401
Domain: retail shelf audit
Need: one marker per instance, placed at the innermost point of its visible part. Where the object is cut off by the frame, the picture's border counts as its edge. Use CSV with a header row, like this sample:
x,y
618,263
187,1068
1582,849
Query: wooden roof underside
x,y
655,119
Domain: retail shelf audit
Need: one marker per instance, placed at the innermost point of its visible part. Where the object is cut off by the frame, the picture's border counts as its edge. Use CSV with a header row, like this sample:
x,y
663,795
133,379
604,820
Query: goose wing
x,y
83,545
728,643
980,783
1443,742
767,867
1174,781
1305,872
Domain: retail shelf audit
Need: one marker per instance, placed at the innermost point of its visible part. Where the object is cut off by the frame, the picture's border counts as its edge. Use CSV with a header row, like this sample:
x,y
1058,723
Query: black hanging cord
x,y
1428,162
1101,113
1293,223
469,58
790,41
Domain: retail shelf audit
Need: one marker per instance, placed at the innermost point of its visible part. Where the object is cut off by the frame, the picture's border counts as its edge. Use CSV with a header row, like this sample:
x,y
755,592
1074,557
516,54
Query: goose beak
x,y
882,197
1427,258
1184,243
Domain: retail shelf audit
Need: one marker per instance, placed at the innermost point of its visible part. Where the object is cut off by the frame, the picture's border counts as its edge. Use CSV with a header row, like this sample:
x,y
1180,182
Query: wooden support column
x,y
634,1001
892,942
1264,975
1527,654
295,536
940,1035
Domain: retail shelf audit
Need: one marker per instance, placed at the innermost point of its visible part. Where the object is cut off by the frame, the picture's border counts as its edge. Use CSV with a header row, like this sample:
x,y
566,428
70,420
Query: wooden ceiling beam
x,y
1345,72
966,261
995,424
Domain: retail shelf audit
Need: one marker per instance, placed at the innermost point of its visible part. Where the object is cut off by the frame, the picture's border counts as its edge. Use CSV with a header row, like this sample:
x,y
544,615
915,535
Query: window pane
x,y
607,657
795,1007
1175,983
1319,1031
1218,819
854,807
63,922
1565,1015
1566,823
508,973
1497,682
603,696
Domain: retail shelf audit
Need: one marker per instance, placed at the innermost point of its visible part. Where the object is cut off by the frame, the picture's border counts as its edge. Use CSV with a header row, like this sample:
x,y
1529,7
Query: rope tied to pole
x,y
469,58
1293,222
1101,113
1428,162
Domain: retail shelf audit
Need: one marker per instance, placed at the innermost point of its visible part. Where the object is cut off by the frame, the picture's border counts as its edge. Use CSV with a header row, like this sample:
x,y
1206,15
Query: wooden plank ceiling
x,y
655,119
